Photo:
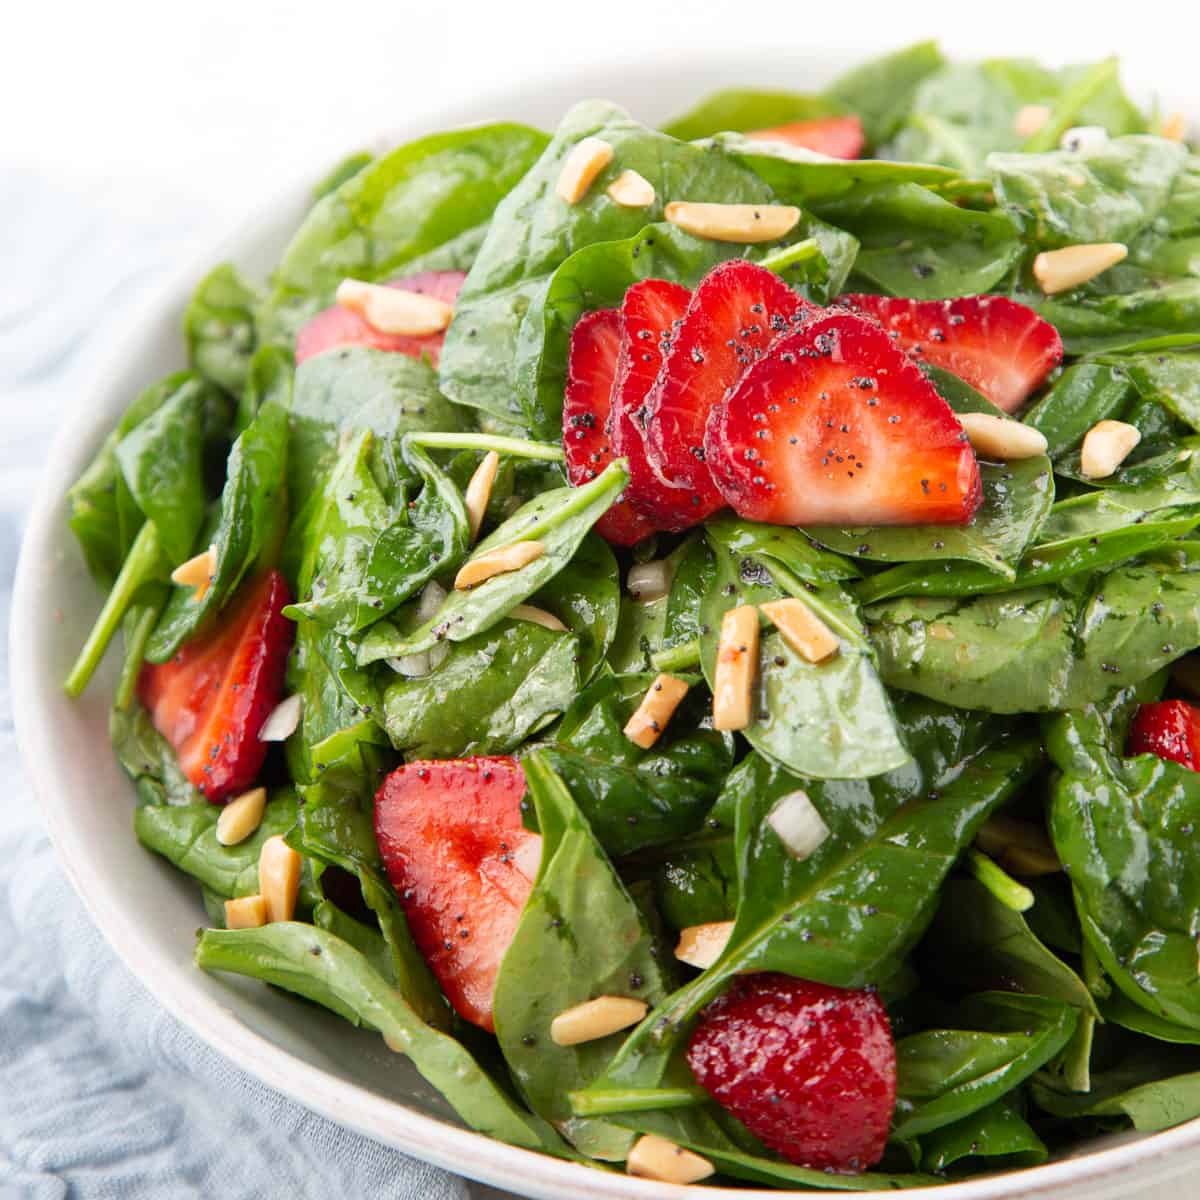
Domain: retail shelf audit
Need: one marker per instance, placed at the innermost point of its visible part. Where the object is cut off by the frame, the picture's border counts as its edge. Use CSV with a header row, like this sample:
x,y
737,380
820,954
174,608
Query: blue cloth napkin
x,y
102,1093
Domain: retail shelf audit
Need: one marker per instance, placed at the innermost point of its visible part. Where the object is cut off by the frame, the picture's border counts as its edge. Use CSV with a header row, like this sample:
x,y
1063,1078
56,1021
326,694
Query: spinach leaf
x,y
418,198
944,1075
314,963
1094,321
1170,378
634,798
149,759
1016,498
341,171
746,109
792,549
1124,829
1118,1009
1084,394
580,936
914,243
559,519
219,326
1041,649
829,720
491,692
270,377
978,942
996,1132
697,881
534,231
881,91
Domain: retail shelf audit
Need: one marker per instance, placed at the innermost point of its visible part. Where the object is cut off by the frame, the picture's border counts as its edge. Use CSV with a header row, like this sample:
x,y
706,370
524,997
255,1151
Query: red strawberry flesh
x,y
1001,348
810,1070
838,427
835,137
735,313
1168,728
211,699
587,418
338,326
449,833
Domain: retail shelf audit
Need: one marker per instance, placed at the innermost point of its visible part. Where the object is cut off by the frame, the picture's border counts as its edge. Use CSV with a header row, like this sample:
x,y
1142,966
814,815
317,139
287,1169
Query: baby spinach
x,y
881,90
1092,321
745,109
580,936
1084,394
219,324
944,1075
559,519
270,377
1168,377
830,719
314,963
148,758
998,1133
634,798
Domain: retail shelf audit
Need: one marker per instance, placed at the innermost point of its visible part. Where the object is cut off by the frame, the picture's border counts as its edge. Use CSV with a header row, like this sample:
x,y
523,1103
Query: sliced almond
x,y
737,664
394,310
941,632
1061,270
1030,119
1175,128
197,573
284,719
479,491
802,629
246,912
1106,446
538,616
631,190
393,1045
701,945
596,1019
279,878
497,562
996,437
587,159
658,705
653,1157
241,817
746,223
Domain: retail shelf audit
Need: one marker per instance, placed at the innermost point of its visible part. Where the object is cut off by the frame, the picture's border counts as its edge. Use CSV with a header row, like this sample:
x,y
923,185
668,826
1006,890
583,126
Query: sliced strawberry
x,y
211,699
338,326
650,315
735,313
1000,347
835,137
1170,729
810,1070
838,427
450,834
587,426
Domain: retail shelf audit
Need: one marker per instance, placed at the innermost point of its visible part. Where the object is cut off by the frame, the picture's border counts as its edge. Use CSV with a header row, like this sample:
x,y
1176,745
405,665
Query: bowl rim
x,y
441,1143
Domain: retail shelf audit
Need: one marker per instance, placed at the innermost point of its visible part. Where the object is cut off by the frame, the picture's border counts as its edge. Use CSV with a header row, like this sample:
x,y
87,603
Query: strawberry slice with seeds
x,y
1001,348
587,418
213,697
338,326
1168,728
810,1070
650,315
838,427
735,313
835,137
455,850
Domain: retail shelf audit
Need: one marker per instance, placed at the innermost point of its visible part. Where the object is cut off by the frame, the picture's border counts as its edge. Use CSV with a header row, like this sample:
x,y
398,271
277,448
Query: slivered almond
x,y
802,629
393,1045
658,705
1030,119
394,310
701,945
197,573
737,663
241,817
745,223
246,912
479,491
1174,128
497,562
538,616
1061,270
654,1157
587,159
631,190
1106,446
996,437
596,1019
279,878
941,632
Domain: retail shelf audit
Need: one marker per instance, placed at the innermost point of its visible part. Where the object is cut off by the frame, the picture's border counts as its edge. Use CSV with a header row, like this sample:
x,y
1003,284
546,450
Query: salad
x,y
689,633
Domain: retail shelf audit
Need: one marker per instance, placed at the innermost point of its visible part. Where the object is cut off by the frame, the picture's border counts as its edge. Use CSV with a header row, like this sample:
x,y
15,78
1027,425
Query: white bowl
x,y
149,911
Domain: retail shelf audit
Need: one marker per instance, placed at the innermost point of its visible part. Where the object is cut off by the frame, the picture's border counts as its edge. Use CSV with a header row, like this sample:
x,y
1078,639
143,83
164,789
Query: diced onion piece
x,y
800,827
414,666
432,598
411,666
284,719
527,857
649,581
1083,139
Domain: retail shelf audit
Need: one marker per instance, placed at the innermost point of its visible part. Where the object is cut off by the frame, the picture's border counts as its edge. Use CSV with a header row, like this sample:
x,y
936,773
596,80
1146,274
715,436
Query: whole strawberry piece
x,y
1000,347
1170,729
810,1070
